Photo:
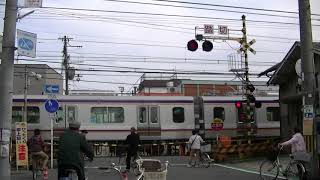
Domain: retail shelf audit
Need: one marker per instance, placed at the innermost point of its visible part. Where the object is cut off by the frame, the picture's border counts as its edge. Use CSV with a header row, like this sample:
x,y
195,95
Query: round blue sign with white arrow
x,y
51,105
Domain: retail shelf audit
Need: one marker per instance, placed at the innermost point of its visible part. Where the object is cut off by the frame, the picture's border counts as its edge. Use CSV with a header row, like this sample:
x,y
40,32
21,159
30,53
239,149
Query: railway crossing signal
x,y
208,34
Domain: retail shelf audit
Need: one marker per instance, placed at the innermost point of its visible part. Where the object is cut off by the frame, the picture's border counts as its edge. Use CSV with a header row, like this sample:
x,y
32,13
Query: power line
x,y
202,8
169,15
236,7
144,70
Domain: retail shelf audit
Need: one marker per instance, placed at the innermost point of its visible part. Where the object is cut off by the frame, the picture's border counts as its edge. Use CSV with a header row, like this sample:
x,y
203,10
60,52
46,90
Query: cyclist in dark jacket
x,y
72,145
36,147
133,141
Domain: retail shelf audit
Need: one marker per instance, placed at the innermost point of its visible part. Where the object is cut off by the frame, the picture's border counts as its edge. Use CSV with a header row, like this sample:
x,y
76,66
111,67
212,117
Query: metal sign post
x,y
51,106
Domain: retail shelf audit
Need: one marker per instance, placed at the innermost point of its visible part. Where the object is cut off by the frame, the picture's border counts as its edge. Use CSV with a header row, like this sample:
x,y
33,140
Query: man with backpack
x,y
194,146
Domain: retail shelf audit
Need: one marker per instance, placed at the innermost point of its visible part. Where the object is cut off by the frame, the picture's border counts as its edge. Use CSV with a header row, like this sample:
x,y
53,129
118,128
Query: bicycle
x,y
133,163
37,170
72,173
122,174
270,168
204,160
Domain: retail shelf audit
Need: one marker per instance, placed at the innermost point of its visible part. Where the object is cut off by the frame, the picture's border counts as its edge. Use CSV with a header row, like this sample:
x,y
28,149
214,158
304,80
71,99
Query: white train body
x,y
156,117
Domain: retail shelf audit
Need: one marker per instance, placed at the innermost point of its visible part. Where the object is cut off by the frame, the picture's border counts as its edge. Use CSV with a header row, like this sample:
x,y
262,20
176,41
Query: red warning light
x,y
238,104
192,45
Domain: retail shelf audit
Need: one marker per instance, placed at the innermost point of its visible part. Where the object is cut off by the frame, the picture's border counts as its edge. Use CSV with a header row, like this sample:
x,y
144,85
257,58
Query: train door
x,y
149,121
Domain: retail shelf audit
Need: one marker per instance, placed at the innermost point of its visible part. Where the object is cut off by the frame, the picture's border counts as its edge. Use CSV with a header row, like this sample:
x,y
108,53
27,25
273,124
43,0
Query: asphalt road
x,y
178,172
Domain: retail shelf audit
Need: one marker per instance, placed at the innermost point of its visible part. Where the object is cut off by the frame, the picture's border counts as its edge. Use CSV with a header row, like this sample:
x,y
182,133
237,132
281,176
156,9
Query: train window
x,y
178,114
154,115
60,115
273,113
107,115
99,115
218,112
142,115
17,114
33,114
116,115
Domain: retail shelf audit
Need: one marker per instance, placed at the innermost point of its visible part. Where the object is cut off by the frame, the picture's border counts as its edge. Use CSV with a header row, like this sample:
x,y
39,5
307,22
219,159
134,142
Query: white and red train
x,y
158,118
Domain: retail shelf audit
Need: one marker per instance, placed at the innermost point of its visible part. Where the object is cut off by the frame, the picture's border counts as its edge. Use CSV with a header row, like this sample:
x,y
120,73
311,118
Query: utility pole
x,y
6,85
308,75
25,105
65,63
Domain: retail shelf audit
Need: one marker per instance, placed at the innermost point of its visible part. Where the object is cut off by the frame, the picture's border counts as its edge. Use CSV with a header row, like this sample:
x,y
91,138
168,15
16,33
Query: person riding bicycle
x,y
36,147
298,148
71,147
297,142
194,145
133,141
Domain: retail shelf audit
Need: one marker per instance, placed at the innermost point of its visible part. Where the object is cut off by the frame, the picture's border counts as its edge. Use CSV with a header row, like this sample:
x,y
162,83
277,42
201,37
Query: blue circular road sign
x,y
51,105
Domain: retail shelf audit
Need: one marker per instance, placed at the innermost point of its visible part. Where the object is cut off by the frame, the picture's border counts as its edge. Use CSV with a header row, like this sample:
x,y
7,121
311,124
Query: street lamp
x,y
26,79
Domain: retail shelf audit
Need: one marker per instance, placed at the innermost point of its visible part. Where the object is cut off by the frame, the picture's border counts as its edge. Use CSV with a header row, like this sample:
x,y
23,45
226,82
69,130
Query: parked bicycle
x,y
272,167
123,174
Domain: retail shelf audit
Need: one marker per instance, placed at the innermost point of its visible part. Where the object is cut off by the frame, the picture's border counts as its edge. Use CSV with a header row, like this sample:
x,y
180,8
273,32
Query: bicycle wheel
x,y
269,170
134,166
34,174
205,160
295,171
122,160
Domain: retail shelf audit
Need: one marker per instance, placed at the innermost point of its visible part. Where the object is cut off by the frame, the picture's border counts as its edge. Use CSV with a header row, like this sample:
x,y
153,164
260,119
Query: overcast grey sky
x,y
114,38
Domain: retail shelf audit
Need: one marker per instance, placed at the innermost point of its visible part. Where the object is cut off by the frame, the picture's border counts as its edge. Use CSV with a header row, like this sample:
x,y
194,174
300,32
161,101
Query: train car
x,y
111,117
158,118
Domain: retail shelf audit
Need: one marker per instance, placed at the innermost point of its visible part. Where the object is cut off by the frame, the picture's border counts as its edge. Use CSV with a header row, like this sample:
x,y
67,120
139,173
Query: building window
x,y
273,113
33,114
107,115
218,112
178,114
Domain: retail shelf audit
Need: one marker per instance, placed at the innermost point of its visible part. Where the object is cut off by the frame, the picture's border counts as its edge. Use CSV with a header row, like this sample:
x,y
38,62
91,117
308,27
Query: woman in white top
x,y
297,142
194,146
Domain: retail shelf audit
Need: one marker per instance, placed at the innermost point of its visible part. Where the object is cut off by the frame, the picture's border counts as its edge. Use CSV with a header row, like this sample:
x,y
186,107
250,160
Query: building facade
x,y
287,76
188,87
35,85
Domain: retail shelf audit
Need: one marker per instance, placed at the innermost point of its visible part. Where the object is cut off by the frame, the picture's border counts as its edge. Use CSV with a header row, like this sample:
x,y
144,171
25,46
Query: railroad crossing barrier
x,y
224,149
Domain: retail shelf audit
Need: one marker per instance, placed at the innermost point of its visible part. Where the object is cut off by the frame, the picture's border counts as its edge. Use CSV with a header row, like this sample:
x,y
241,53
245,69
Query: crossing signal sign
x,y
246,46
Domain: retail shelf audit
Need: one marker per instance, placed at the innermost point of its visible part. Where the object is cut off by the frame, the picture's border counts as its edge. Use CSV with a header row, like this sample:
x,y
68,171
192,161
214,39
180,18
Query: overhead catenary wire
x,y
236,7
169,15
203,8
143,70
